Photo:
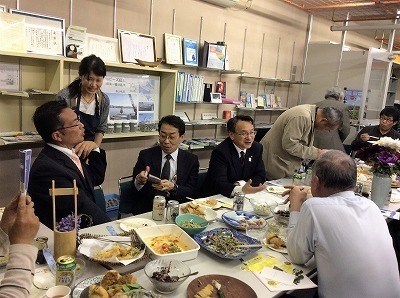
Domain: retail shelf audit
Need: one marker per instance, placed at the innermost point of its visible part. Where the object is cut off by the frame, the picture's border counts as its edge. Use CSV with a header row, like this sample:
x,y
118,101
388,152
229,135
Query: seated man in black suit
x,y
236,164
177,168
60,128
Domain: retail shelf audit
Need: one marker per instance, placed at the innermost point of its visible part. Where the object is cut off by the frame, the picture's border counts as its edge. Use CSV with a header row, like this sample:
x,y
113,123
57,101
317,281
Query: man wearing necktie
x,y
178,169
61,129
236,163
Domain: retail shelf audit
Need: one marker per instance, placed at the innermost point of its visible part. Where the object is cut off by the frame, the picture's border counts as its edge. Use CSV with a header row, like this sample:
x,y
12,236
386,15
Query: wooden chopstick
x,y
251,245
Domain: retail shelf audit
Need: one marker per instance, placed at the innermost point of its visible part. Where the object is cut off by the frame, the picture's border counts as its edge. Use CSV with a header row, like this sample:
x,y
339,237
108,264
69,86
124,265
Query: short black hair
x,y
231,125
174,121
390,112
47,118
336,170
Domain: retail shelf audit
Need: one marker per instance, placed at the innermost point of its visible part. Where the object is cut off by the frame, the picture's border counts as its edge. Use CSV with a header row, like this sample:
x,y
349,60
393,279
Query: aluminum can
x,y
66,268
238,201
172,211
158,208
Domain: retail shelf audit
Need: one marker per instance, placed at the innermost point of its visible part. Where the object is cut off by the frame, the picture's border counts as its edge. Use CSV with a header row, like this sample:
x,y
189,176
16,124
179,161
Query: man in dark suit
x,y
333,139
236,164
178,169
61,129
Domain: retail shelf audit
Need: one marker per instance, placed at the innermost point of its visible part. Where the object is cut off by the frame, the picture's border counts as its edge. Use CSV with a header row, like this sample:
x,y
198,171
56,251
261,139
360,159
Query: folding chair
x,y
125,186
99,197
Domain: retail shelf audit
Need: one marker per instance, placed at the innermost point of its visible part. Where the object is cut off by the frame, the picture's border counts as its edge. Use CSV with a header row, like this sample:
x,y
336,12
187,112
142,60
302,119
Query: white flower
x,y
389,143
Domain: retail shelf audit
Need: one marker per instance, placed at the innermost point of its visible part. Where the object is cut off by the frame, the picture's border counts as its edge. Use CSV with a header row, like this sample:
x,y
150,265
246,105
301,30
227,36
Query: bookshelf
x,y
42,76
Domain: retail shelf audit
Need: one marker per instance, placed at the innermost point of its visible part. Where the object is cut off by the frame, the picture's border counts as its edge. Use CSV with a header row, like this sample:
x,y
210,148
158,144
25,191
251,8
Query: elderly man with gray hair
x,y
290,140
346,233
334,139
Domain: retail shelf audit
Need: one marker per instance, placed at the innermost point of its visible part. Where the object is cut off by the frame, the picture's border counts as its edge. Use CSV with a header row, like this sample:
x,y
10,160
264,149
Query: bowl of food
x,y
191,223
166,275
168,241
281,214
263,207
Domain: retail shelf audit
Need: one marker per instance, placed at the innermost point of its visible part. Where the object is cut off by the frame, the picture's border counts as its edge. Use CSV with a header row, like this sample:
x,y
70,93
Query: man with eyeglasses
x,y
290,140
236,164
178,169
61,129
388,119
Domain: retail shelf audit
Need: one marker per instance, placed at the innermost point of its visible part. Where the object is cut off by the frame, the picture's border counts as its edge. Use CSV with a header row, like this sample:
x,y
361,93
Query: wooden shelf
x,y
262,109
275,80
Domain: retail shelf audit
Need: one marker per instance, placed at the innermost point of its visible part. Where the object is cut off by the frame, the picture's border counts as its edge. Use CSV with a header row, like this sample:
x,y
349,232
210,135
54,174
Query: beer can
x,y
66,267
158,208
172,211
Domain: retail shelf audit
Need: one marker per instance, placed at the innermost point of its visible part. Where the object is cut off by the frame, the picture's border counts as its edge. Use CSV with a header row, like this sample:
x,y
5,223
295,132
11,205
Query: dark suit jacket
x,y
52,164
225,169
186,173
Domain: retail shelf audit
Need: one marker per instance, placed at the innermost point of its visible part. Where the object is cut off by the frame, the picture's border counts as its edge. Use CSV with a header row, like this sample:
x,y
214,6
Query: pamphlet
x,y
25,157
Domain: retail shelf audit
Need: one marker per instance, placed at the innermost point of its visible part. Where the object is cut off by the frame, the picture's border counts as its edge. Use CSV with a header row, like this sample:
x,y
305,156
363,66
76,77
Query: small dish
x,y
135,223
282,214
276,189
173,267
197,223
281,249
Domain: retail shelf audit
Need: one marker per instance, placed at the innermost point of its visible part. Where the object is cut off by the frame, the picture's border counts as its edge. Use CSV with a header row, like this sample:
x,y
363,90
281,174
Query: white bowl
x,y
145,234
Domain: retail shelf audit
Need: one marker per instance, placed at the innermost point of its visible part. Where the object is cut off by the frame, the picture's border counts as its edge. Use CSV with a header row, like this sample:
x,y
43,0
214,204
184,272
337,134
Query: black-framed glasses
x,y
386,119
78,120
171,137
246,134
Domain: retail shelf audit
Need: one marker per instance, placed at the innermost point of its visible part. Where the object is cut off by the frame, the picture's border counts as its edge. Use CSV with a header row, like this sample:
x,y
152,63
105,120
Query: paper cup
x,y
58,292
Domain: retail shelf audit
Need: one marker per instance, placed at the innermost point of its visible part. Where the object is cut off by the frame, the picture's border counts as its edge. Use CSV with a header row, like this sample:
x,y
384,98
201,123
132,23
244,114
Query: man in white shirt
x,y
346,234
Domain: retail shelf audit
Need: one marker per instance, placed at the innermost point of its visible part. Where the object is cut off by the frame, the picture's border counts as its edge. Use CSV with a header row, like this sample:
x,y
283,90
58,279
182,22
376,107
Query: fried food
x,y
96,291
193,209
205,292
127,279
119,251
110,278
275,240
211,202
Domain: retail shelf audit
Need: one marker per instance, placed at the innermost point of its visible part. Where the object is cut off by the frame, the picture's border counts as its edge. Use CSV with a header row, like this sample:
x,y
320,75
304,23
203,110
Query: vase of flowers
x,y
384,158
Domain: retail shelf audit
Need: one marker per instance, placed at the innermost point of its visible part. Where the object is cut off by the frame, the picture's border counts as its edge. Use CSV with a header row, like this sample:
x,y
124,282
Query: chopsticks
x,y
251,245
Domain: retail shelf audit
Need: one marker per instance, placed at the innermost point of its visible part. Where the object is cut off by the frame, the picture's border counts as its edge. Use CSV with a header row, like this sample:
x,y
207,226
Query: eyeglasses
x,y
246,134
78,120
386,119
171,137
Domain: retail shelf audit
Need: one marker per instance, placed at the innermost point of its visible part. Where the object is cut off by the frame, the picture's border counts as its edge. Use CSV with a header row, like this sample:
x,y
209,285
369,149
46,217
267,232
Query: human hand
x,y
247,188
84,148
10,213
142,177
297,196
322,151
364,137
164,185
26,223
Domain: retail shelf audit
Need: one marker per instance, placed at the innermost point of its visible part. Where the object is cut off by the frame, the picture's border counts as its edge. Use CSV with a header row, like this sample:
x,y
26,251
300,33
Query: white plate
x,y
203,202
211,214
135,223
281,249
276,189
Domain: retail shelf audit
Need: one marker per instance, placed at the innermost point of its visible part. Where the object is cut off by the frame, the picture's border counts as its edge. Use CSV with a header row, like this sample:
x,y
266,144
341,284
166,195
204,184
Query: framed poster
x,y
173,49
43,34
136,46
12,33
214,55
104,47
190,52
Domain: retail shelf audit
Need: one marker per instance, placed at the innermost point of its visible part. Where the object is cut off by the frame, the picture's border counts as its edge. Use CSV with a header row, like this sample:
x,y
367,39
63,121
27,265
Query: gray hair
x,y
334,92
333,116
336,170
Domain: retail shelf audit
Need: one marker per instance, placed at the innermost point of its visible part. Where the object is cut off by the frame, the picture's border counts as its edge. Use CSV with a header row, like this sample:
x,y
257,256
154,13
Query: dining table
x,y
205,262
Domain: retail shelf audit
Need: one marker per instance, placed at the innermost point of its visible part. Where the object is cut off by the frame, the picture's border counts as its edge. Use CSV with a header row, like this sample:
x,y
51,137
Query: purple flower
x,y
386,158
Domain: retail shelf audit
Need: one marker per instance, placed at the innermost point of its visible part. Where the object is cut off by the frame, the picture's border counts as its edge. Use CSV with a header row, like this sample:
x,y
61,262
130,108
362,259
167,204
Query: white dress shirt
x,y
351,243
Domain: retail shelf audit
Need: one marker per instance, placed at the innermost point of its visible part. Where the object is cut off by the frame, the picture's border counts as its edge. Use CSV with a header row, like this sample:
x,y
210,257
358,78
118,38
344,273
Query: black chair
x,y
200,182
99,197
125,186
